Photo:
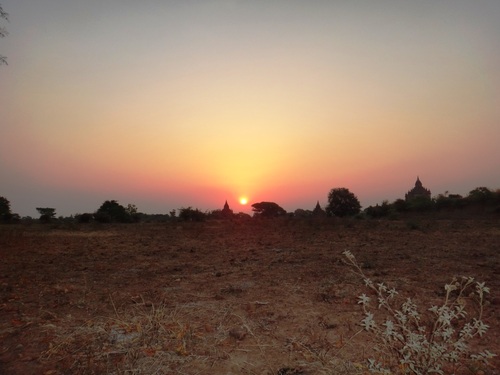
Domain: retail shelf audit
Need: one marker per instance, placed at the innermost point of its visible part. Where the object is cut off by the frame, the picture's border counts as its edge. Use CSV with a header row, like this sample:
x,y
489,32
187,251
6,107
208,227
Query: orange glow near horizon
x,y
283,107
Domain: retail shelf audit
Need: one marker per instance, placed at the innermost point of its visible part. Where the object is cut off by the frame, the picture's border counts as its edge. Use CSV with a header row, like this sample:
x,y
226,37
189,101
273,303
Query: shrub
x,y
481,195
84,218
4,206
47,214
400,205
268,209
190,214
424,342
420,204
341,202
111,211
6,214
378,211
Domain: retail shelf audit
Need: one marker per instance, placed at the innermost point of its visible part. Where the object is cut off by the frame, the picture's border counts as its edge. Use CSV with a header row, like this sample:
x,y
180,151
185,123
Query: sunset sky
x,y
169,104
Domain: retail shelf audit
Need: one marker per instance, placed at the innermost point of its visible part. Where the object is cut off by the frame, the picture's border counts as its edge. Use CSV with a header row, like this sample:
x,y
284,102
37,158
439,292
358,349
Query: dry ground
x,y
261,297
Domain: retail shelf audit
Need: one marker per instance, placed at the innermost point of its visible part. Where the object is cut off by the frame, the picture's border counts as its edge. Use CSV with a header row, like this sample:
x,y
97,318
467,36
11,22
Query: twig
x,y
114,307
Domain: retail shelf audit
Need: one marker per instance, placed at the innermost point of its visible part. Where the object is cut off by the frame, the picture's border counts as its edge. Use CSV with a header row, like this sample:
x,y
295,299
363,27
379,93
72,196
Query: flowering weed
x,y
424,342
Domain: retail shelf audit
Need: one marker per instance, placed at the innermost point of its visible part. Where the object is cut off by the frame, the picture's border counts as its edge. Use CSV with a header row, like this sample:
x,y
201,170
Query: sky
x,y
170,104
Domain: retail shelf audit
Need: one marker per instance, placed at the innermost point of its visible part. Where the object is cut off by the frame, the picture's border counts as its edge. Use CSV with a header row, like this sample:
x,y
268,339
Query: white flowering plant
x,y
423,342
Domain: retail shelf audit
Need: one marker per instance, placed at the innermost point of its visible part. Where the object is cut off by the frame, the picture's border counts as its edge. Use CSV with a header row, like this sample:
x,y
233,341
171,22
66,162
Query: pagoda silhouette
x,y
226,211
318,211
418,191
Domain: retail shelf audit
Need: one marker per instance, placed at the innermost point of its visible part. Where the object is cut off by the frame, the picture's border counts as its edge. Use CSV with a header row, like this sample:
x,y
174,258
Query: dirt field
x,y
261,297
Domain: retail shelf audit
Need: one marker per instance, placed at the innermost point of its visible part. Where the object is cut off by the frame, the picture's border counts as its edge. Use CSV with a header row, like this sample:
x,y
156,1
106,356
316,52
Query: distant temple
x,y
418,191
318,211
226,211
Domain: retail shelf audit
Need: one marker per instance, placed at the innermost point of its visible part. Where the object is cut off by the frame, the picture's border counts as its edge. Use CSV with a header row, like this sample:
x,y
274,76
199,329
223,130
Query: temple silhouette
x,y
226,211
418,191
318,211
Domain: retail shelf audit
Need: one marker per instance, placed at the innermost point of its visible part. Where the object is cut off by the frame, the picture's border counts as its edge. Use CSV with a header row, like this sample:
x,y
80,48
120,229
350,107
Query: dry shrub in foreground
x,y
411,341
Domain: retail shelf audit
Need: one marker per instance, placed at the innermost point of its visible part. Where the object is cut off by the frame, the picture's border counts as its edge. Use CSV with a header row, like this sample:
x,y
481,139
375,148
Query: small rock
x,y
209,328
238,333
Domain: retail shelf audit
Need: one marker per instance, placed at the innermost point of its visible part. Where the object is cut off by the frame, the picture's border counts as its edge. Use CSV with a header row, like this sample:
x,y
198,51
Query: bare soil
x,y
257,297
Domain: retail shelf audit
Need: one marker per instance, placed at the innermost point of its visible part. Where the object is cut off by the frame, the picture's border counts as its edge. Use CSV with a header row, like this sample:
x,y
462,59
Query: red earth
x,y
227,297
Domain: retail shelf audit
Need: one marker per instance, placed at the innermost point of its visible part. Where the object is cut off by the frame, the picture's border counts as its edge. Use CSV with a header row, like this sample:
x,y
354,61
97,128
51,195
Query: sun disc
x,y
243,200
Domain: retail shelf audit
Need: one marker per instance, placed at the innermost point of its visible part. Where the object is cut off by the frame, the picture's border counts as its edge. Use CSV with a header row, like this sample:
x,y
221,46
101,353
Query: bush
x,y
341,202
268,209
84,218
481,196
111,212
378,211
190,214
6,214
420,204
4,207
427,342
400,205
451,201
46,214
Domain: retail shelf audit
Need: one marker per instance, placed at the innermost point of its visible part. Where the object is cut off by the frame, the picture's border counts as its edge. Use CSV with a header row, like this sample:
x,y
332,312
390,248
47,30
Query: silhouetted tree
x,y
47,214
190,214
111,212
221,215
4,206
267,209
84,218
216,214
5,213
400,205
442,201
300,213
420,203
341,202
3,32
378,211
481,195
133,212
496,201
449,201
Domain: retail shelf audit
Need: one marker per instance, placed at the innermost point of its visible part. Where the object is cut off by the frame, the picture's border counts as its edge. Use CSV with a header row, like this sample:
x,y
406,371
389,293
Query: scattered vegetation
x,y
84,218
3,32
268,209
341,202
191,214
479,199
113,212
271,297
47,214
6,214
434,341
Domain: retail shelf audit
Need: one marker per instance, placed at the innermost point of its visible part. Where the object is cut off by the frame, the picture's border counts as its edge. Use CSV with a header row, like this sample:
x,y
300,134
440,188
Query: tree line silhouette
x,y
3,32
341,203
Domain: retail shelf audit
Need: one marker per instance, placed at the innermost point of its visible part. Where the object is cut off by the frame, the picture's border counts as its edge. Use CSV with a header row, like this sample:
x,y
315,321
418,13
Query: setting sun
x,y
243,200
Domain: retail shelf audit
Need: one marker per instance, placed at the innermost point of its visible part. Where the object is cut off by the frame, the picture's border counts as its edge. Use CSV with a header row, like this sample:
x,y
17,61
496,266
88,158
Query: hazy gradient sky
x,y
169,104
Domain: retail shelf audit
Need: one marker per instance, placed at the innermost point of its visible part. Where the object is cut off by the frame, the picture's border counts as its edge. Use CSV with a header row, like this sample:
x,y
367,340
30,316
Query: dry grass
x,y
217,298
158,339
